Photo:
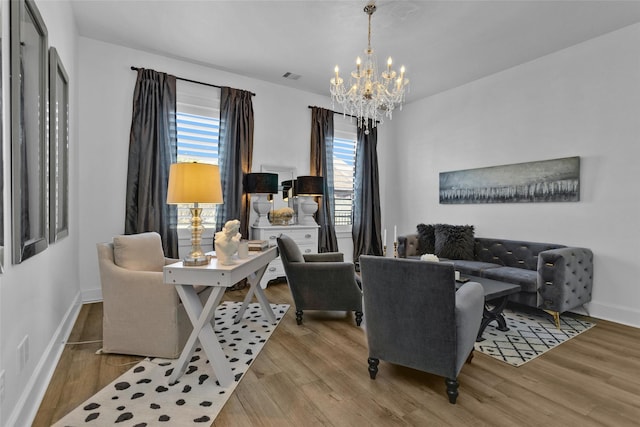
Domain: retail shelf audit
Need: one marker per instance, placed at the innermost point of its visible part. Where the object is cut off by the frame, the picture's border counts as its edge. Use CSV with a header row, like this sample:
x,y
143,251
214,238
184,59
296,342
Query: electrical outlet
x,y
2,386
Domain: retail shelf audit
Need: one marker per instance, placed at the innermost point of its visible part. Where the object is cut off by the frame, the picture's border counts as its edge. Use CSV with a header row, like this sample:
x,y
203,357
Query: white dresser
x,y
306,236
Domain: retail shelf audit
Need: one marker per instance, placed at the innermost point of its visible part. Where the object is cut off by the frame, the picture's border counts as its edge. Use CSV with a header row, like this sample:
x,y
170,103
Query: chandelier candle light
x,y
369,93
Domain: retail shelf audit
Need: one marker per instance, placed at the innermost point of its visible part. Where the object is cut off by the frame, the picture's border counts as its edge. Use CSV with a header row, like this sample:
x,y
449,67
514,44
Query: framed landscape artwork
x,y
555,180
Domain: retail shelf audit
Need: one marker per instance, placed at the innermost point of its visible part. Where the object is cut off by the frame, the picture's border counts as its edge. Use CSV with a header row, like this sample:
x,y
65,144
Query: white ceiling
x,y
443,44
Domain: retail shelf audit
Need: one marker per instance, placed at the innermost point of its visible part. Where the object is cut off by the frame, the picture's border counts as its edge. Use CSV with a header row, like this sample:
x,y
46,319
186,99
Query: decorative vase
x,y
281,220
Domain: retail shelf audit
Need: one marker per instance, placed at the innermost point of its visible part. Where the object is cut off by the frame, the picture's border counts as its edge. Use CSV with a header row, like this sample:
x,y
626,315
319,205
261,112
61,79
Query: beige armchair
x,y
142,315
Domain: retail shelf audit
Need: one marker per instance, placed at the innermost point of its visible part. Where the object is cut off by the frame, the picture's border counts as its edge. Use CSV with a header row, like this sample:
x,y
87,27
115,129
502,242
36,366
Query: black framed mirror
x,y
58,148
29,153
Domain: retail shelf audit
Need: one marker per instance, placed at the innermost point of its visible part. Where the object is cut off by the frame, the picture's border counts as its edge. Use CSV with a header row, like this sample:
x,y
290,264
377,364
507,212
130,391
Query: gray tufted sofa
x,y
552,277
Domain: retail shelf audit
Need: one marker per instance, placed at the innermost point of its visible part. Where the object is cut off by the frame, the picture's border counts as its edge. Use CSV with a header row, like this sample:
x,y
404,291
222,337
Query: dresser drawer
x,y
303,237
274,269
308,249
306,237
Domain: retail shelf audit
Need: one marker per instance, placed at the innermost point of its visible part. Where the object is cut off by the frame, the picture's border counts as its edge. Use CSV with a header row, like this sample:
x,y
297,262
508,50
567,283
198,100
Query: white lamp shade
x,y
194,183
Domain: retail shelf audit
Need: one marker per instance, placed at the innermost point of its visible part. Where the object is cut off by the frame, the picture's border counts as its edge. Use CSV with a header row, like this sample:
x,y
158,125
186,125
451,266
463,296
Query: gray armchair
x,y
415,317
320,281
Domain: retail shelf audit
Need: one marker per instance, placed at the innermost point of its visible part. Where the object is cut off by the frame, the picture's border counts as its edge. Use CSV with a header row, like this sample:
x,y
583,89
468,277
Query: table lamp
x,y
261,184
194,183
306,188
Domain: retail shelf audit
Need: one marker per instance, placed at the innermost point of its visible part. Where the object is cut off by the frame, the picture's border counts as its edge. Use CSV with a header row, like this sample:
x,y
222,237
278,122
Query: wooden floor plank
x,y
316,374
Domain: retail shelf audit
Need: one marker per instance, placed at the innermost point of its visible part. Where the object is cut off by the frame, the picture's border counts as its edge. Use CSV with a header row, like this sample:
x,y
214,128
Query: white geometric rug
x,y
531,333
142,396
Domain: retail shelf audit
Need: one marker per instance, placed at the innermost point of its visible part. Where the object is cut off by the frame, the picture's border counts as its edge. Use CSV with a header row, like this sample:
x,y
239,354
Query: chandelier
x,y
369,94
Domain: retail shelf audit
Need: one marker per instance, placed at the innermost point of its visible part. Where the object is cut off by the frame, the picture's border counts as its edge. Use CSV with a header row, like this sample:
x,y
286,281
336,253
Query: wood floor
x,y
316,375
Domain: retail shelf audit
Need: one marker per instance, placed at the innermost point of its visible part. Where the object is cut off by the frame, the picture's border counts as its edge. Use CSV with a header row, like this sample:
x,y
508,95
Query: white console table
x,y
306,236
219,277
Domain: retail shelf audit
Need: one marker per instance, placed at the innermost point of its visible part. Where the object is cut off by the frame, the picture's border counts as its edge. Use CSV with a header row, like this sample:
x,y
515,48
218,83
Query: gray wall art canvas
x,y
555,180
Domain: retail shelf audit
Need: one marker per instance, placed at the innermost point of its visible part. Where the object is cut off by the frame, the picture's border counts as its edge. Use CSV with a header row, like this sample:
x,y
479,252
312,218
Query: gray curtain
x,y
152,149
366,206
322,165
235,151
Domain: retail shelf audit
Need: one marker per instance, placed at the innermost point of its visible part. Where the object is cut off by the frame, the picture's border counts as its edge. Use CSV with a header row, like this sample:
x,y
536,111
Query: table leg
x,y
489,315
256,289
201,319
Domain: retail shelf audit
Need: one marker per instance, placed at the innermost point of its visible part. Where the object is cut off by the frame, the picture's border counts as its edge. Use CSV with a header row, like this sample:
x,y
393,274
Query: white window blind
x,y
344,167
198,127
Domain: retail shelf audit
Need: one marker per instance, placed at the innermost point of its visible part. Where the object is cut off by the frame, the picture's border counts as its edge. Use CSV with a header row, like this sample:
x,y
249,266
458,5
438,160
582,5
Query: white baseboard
x,y
27,407
619,314
91,295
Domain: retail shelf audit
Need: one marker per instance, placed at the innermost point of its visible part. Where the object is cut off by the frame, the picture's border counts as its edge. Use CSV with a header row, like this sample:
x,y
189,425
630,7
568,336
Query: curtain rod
x,y
335,112
193,81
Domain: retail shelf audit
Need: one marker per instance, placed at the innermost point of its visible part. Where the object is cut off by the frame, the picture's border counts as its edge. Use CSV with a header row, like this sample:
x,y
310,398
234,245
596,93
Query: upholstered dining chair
x,y
141,315
416,318
320,281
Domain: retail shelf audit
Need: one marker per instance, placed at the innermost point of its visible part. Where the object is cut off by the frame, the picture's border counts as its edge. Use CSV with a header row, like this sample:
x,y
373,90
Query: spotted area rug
x,y
142,396
531,333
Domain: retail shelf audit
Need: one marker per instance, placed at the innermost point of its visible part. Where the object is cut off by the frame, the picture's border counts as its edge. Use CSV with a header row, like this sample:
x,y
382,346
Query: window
x,y
344,168
198,125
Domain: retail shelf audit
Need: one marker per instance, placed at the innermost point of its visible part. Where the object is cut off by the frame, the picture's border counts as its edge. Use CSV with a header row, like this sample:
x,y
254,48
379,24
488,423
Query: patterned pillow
x,y
426,239
454,241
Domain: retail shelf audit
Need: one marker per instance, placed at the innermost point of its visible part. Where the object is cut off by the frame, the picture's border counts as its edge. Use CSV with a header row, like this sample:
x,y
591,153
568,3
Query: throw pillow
x,y
454,241
140,252
426,239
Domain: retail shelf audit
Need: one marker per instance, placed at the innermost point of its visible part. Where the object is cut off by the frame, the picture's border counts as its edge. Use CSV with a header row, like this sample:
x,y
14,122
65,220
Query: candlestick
x,y
395,249
384,250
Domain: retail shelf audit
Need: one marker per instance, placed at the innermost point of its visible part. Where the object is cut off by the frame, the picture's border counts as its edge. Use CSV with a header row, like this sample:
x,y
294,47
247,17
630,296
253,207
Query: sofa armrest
x,y
407,245
565,278
324,257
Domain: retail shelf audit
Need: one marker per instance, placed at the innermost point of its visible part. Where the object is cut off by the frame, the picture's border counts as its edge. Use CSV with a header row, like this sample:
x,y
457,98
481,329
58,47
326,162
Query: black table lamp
x,y
306,188
261,184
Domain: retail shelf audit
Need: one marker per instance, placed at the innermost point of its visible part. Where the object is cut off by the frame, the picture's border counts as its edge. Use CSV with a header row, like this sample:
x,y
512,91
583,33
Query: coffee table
x,y
496,295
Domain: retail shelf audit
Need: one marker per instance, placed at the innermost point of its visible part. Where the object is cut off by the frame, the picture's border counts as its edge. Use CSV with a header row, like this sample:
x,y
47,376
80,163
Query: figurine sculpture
x,y
226,242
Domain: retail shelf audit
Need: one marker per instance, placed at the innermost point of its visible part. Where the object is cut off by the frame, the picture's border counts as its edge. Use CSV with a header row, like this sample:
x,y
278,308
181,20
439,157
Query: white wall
x,y
281,135
583,101
40,297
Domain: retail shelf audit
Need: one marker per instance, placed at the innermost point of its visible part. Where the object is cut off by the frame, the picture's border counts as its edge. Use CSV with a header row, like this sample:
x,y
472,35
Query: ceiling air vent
x,y
291,76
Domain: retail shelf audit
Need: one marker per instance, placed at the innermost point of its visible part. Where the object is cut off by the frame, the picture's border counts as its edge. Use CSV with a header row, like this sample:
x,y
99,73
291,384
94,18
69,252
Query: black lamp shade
x,y
264,183
310,186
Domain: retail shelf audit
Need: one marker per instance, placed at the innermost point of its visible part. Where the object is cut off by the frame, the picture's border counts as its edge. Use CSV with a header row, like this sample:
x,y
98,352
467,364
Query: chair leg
x,y
470,357
452,389
358,318
556,317
373,367
299,317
